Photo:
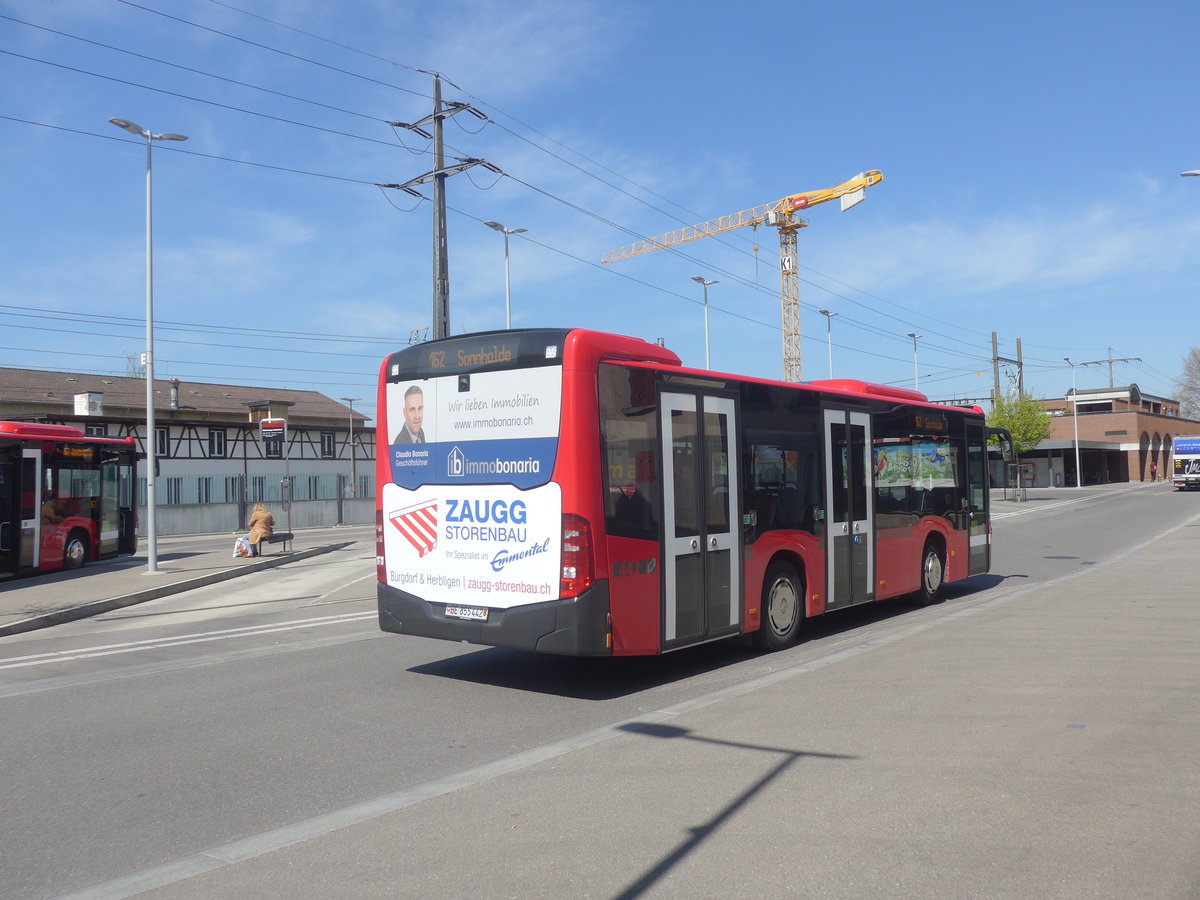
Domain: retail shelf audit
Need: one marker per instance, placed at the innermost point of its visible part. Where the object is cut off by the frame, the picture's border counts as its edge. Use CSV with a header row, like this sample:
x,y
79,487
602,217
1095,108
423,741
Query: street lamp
x,y
1075,416
496,226
1193,172
151,525
829,335
353,472
916,374
699,279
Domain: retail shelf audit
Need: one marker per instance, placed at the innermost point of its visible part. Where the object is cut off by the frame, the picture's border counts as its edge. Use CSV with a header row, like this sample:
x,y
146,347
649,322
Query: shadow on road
x,y
608,678
698,834
585,678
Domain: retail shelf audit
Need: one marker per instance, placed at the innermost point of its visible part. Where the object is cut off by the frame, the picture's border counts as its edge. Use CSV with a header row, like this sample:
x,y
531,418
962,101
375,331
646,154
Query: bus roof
x,y
851,387
517,348
39,431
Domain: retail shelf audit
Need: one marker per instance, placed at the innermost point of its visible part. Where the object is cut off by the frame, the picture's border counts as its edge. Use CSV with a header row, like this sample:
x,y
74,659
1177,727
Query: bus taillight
x,y
577,574
380,567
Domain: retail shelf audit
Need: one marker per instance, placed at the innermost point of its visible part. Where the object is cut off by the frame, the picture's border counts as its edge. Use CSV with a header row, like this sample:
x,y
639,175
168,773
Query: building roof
x,y
1130,392
27,393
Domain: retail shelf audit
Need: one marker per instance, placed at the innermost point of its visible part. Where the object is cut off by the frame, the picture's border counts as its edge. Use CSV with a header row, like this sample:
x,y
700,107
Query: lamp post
x,y
1075,417
916,374
151,474
353,473
496,226
829,335
699,279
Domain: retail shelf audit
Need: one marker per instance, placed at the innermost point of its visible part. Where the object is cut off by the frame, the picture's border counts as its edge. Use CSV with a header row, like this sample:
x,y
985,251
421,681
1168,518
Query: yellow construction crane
x,y
781,215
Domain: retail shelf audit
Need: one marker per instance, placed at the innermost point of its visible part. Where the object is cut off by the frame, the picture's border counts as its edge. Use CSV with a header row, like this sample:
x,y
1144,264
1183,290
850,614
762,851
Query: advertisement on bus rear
x,y
472,517
475,545
478,428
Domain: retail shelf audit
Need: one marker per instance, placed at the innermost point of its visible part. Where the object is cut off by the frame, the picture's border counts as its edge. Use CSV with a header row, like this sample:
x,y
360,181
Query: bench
x,y
279,537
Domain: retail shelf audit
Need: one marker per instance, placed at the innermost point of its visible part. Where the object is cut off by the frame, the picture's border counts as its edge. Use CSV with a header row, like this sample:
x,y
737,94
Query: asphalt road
x,y
1031,736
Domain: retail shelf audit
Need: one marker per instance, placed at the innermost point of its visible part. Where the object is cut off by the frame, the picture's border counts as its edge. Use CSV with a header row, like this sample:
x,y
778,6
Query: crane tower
x,y
782,215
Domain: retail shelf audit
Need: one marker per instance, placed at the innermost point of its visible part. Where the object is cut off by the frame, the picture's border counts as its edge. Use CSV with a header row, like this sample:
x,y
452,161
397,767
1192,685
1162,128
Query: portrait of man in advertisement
x,y
414,417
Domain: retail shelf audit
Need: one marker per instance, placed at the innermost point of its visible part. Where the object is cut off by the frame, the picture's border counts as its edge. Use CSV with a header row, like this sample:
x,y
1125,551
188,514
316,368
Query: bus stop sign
x,y
273,429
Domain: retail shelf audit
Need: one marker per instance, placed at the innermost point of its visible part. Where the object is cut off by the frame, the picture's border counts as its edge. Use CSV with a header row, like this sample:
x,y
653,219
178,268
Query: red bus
x,y
573,492
65,498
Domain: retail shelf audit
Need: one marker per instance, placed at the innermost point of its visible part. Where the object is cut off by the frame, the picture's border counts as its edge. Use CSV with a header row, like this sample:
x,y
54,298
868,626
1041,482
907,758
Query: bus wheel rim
x,y
933,571
781,610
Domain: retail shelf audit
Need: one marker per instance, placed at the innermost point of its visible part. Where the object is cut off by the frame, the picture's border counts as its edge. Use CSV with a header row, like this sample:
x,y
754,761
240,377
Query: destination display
x,y
476,353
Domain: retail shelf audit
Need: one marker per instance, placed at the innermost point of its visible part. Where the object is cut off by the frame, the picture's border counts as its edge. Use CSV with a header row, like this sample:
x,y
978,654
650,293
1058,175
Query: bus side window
x,y
780,482
629,442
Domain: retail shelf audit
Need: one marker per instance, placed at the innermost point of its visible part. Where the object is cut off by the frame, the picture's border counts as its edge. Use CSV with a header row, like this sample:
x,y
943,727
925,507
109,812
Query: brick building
x,y
1122,432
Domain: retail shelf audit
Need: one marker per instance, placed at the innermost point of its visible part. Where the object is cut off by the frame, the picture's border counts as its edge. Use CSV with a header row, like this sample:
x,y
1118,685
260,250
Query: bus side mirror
x,y
1006,447
1005,440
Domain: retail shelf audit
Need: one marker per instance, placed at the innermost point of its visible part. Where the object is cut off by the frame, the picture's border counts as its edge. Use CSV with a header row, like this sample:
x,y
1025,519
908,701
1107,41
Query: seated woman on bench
x,y
262,524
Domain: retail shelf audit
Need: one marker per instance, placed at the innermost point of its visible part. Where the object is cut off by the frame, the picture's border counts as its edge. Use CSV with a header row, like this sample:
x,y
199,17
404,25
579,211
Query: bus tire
x,y
782,608
75,553
933,573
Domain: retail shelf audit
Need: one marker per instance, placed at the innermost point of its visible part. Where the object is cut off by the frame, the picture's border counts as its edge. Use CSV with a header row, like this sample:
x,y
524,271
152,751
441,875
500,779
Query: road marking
x,y
40,659
142,670
1055,505
323,600
318,826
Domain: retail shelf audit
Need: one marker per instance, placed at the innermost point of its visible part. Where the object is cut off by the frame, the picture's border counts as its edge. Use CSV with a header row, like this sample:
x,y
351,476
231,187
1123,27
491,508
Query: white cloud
x,y
509,50
1042,251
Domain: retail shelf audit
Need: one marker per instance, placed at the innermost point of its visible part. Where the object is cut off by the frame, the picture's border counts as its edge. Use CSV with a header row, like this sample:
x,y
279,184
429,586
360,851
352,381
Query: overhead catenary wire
x,y
727,273
308,60
214,103
850,321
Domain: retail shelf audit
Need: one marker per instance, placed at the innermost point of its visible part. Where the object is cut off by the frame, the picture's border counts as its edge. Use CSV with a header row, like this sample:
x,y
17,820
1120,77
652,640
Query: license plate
x,y
467,612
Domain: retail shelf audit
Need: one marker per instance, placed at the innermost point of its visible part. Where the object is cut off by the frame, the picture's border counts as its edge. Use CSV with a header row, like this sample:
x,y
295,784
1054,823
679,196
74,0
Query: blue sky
x,y
1031,154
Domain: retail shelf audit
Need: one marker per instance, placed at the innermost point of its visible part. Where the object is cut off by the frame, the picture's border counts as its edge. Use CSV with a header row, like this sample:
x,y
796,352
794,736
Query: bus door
x,y
110,505
10,505
30,540
702,540
979,559
128,515
849,508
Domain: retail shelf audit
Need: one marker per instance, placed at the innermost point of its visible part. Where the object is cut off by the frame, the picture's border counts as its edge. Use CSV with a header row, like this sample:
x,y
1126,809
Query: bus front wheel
x,y
75,553
933,573
782,608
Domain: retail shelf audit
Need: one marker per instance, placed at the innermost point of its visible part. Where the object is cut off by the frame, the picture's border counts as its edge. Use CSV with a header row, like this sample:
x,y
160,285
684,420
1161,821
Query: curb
x,y
97,607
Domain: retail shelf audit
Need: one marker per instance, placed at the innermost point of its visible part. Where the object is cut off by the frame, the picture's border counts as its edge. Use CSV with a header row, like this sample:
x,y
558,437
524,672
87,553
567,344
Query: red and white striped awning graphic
x,y
418,524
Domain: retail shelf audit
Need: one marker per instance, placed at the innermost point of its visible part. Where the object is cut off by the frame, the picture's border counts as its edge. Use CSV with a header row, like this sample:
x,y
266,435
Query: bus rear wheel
x,y
782,608
75,553
933,573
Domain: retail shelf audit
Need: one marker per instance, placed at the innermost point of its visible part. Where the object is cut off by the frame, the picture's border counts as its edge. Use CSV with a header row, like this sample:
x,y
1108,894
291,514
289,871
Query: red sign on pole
x,y
273,429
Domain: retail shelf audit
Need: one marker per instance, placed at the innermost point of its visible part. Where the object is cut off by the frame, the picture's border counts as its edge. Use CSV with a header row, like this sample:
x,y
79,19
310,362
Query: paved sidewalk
x,y
184,563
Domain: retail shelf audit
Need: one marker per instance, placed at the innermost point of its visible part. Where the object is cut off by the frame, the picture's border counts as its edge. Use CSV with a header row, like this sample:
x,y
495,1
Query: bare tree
x,y
1188,385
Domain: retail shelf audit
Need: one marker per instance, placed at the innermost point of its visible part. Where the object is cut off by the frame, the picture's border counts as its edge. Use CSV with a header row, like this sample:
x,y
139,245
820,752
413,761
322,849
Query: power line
x,y
167,325
313,62
225,106
164,62
922,316
849,320
172,149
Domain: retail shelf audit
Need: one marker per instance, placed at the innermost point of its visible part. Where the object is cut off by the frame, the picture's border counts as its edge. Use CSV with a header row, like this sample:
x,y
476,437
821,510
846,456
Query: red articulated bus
x,y
580,493
65,498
